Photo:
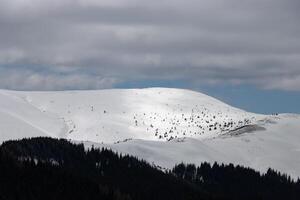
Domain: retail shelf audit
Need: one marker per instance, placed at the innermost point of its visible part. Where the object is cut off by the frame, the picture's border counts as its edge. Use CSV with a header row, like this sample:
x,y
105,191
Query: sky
x,y
246,53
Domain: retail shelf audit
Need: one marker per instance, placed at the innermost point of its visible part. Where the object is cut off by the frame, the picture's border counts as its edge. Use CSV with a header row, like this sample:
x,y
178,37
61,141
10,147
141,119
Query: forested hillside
x,y
45,168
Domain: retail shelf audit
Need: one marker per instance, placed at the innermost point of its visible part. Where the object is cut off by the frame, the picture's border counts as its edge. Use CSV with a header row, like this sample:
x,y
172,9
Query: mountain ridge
x,y
154,111
164,126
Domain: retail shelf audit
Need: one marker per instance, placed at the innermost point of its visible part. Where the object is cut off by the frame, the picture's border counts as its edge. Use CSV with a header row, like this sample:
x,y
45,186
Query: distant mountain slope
x,y
277,146
19,119
152,114
164,126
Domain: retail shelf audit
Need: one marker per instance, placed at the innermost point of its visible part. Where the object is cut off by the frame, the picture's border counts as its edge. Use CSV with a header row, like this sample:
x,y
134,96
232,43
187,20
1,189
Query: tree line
x,y
46,168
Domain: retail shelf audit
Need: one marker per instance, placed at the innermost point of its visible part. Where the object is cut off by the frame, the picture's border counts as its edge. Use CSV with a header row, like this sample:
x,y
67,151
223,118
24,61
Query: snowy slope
x,y
160,114
278,147
164,126
19,119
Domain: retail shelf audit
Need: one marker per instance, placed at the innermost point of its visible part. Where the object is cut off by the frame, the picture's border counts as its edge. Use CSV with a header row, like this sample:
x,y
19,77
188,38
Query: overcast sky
x,y
95,44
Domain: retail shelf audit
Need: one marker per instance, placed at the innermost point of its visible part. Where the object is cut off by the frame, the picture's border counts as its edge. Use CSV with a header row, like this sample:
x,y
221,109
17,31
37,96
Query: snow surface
x,y
277,147
164,126
19,119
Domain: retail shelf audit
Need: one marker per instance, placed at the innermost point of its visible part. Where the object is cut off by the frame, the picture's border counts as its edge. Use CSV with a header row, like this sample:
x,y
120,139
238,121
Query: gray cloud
x,y
89,44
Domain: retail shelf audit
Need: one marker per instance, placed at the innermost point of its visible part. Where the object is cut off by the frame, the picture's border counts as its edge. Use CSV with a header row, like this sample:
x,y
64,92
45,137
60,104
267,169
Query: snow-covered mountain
x,y
110,116
164,126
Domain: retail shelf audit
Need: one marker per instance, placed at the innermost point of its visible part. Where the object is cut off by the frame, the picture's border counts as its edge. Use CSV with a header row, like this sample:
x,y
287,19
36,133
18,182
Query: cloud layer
x,y
89,44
